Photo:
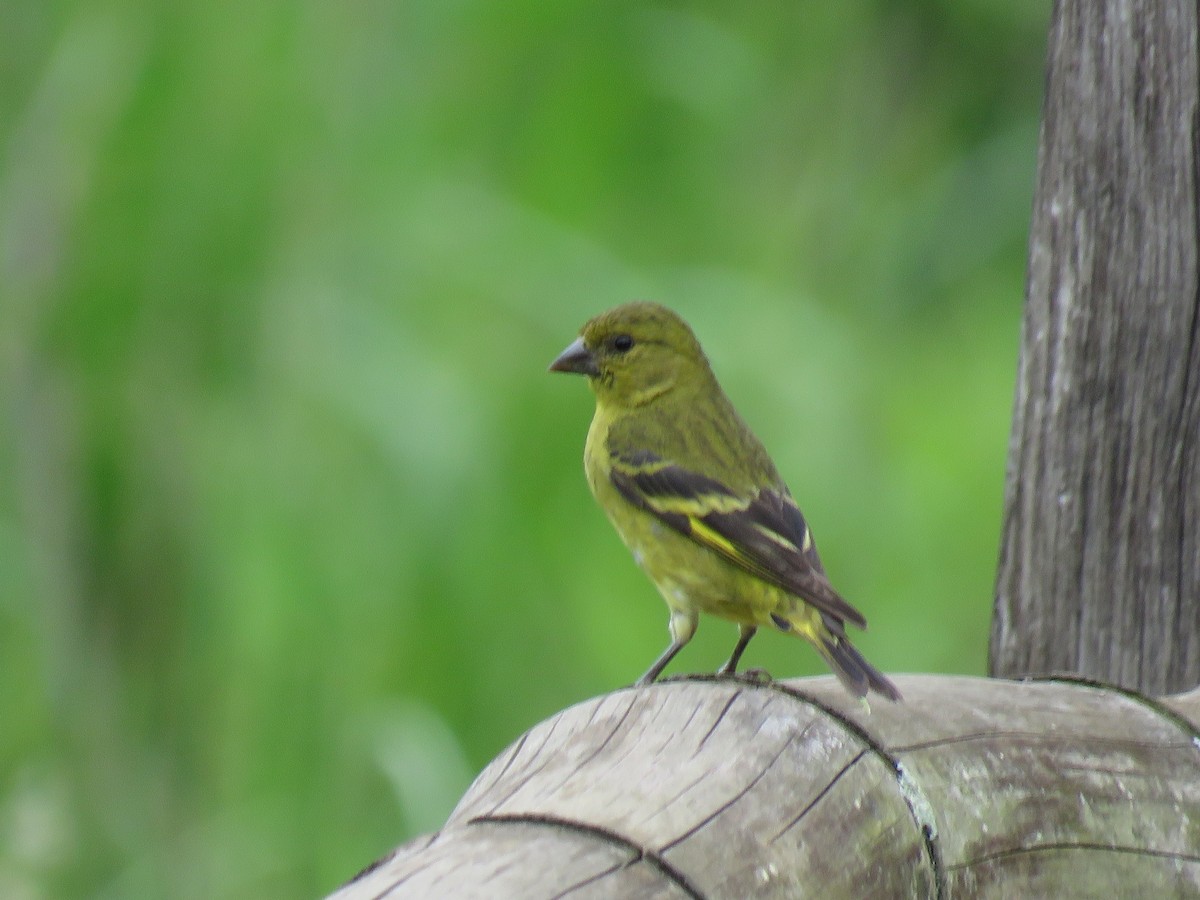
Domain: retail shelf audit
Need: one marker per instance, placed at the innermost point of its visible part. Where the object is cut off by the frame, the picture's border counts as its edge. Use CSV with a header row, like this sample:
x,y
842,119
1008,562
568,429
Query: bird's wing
x,y
763,532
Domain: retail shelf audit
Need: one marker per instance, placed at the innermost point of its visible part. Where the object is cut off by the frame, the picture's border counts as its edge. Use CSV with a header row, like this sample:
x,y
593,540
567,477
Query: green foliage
x,y
294,535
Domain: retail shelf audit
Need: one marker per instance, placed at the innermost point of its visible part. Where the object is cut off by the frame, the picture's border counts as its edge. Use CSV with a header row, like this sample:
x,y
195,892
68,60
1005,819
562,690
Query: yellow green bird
x,y
695,497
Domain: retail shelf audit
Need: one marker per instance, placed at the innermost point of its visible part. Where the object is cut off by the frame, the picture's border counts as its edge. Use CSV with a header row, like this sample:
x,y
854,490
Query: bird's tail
x,y
858,675
828,635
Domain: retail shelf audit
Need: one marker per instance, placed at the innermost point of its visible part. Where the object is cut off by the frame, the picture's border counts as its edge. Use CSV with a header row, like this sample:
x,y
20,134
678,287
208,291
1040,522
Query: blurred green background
x,y
294,535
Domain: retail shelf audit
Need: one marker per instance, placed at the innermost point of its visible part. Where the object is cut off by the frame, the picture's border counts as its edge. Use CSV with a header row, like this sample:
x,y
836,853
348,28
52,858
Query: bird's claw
x,y
753,676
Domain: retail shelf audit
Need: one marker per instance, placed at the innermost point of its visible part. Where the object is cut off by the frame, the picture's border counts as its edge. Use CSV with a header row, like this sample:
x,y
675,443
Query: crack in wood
x,y
1061,846
817,799
695,711
929,834
580,885
399,881
549,757
1014,853
531,772
719,718
631,742
383,860
528,774
513,754
1183,434
1041,739
640,852
738,796
666,804
414,846
1160,709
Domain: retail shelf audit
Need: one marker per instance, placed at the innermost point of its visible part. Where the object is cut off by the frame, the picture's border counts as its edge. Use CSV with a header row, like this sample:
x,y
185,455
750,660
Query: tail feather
x,y
828,635
851,668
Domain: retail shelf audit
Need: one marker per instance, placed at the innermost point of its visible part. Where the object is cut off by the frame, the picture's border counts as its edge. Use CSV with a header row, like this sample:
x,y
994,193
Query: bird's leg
x,y
745,632
659,664
682,626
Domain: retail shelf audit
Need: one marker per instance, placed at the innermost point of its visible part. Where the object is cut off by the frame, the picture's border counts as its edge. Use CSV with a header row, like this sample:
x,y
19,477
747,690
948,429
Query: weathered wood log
x,y
732,788
1100,559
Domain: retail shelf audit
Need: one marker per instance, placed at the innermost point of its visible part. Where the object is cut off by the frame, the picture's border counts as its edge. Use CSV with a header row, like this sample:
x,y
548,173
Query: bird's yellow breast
x,y
689,575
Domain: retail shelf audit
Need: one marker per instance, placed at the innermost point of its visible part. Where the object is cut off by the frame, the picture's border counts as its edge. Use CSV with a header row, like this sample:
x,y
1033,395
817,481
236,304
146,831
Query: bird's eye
x,y
622,342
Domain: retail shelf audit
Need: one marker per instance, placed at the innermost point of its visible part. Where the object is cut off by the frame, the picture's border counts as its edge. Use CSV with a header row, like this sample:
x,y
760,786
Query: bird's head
x,y
635,353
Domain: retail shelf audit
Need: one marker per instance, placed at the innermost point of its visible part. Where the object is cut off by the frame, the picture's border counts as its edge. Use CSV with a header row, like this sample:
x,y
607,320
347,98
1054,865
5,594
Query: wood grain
x,y
1100,558
728,788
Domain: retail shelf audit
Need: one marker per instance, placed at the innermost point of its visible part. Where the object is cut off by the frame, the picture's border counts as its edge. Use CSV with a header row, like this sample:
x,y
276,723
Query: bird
x,y
696,498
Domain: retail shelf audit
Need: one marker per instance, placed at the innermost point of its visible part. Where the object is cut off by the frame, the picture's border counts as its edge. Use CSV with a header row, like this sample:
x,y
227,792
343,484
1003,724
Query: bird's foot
x,y
754,676
662,679
757,676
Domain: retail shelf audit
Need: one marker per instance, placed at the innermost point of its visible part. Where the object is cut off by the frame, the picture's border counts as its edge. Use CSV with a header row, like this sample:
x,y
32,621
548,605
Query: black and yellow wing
x,y
762,532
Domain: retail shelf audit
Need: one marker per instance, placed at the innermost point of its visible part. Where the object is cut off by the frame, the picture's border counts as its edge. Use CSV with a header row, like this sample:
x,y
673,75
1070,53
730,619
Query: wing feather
x,y
763,533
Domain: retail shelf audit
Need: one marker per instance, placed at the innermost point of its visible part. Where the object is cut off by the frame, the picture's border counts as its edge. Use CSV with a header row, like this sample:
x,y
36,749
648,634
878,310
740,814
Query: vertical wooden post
x,y
1100,559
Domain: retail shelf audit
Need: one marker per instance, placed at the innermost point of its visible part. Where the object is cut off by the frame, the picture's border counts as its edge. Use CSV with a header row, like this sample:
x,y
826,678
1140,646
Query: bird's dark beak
x,y
576,358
